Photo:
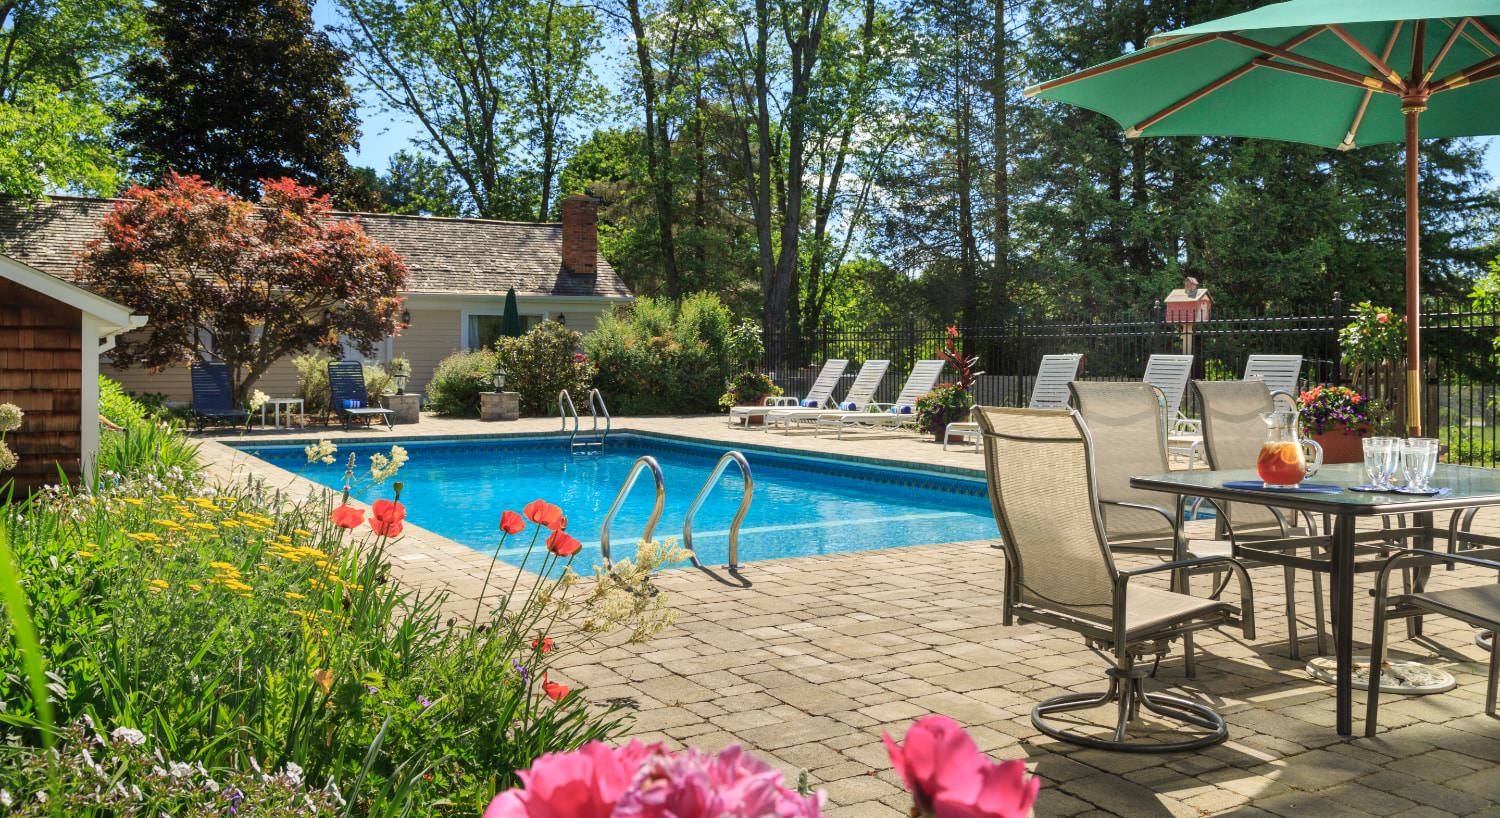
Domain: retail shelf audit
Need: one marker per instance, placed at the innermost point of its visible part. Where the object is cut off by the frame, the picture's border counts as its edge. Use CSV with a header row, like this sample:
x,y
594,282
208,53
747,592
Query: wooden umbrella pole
x,y
1412,109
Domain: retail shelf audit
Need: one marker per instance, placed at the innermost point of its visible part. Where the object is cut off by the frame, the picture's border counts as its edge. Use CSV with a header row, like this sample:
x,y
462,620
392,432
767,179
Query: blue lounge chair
x,y
213,400
347,397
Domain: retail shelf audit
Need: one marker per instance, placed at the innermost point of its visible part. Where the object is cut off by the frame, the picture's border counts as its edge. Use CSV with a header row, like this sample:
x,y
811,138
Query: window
x,y
484,329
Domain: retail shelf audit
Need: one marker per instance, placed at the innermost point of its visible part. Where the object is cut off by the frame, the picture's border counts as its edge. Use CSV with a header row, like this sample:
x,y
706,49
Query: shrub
x,y
458,380
747,389
117,407
312,381
945,404
656,357
239,629
745,344
542,363
147,450
1376,335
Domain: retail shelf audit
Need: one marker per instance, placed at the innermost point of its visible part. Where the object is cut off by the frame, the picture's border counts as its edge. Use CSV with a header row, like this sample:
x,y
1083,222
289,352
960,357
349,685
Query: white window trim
x,y
463,321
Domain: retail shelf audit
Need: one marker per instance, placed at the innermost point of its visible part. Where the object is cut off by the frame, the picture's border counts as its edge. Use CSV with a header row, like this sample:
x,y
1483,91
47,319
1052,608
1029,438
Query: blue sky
x,y
382,134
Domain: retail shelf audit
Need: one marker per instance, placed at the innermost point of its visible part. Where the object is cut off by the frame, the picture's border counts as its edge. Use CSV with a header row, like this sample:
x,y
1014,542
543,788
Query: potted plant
x,y
748,389
945,404
1337,417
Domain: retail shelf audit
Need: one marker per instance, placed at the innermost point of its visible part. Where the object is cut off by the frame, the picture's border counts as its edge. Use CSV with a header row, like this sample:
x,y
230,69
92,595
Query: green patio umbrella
x,y
1336,73
510,322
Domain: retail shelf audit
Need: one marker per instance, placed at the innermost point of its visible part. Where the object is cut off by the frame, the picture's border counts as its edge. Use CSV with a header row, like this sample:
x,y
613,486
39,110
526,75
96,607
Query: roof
x,y
446,256
113,317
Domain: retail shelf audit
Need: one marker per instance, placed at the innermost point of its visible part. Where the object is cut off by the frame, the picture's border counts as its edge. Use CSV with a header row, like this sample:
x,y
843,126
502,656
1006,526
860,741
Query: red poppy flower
x,y
563,544
386,517
544,644
347,516
511,522
554,690
543,513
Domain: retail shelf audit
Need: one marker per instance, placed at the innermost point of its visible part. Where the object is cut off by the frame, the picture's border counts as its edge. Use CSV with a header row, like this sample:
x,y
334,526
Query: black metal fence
x,y
1461,395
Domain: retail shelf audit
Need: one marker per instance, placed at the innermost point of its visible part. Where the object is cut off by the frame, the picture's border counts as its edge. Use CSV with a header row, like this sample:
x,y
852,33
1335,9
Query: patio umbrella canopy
x,y
1336,73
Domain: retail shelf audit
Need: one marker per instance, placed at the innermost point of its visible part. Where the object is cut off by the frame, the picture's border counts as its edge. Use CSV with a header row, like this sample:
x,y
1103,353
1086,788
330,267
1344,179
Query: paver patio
x,y
819,655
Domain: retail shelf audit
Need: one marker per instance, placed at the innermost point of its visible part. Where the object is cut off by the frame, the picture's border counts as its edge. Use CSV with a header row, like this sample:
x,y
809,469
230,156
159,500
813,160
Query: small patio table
x,y
280,405
1467,487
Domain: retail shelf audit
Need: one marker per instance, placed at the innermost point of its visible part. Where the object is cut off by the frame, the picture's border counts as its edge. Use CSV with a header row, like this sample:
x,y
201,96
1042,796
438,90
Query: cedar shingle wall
x,y
41,371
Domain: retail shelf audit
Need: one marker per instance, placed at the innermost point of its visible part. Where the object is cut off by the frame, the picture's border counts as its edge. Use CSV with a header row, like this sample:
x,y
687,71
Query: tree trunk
x,y
658,153
999,51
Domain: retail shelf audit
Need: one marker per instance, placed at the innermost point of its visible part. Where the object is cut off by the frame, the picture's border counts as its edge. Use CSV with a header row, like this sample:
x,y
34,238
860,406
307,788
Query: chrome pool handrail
x,y
570,412
739,516
597,408
645,461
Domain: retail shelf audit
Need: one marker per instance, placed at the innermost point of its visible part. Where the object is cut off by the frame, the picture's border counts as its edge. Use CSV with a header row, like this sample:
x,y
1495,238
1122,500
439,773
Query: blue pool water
x,y
802,505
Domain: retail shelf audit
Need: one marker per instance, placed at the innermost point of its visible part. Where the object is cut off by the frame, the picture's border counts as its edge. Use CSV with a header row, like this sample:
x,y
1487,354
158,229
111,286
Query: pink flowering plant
x,y
1376,335
1329,408
949,777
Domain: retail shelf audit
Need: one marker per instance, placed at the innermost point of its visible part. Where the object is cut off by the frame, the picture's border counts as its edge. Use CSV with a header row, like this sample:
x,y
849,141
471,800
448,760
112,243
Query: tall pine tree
x,y
237,91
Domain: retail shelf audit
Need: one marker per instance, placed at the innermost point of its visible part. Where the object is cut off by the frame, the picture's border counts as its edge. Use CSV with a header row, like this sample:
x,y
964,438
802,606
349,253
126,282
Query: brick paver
x,y
819,656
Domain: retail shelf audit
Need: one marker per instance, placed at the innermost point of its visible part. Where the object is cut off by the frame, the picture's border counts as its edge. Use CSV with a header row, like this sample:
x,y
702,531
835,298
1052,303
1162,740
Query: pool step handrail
x,y
598,409
645,461
566,409
739,516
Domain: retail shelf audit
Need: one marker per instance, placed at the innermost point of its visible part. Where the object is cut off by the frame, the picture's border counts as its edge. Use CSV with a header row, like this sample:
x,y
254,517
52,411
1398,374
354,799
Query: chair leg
x,y
1293,641
1494,686
1377,661
1126,691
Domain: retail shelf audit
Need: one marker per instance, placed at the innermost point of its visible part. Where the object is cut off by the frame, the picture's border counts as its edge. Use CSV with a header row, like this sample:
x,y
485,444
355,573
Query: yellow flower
x,y
204,526
83,553
324,678
135,501
230,524
144,536
195,586
166,496
302,532
170,525
294,595
159,584
222,566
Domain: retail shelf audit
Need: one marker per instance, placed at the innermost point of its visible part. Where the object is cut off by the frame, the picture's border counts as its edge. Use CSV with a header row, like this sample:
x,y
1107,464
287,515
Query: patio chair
x,y
924,376
347,398
1059,572
1233,431
1282,373
819,395
860,395
1477,606
213,399
1050,389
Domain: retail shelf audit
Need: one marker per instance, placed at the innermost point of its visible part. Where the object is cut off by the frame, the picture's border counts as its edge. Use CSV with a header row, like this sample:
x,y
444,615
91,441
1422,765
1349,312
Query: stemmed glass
x,y
1382,461
1419,461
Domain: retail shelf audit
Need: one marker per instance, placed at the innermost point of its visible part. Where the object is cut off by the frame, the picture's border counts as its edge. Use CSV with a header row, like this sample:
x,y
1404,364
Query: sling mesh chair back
x,y
213,398
347,398
1059,572
1126,423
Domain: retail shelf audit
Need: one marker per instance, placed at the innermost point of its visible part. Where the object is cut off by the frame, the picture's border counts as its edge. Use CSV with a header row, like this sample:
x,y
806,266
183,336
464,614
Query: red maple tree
x,y
222,278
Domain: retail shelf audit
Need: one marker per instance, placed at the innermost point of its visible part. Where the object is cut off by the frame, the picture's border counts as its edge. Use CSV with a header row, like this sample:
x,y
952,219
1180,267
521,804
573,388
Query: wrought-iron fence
x,y
1462,392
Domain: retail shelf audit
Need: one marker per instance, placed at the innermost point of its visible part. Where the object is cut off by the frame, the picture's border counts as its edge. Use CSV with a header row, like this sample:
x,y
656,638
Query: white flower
x,y
258,399
6,799
383,467
292,774
129,735
320,452
10,417
180,769
8,459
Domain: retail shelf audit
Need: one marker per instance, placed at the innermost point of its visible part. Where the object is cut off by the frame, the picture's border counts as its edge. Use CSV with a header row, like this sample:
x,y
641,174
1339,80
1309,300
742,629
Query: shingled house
x,y
460,270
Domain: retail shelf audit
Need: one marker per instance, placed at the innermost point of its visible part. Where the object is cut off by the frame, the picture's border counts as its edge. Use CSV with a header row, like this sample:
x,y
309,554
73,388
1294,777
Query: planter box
x,y
407,408
499,405
1342,444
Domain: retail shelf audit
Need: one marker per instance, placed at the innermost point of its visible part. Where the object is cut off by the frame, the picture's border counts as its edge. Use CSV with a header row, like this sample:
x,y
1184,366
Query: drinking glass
x,y
1419,461
1381,454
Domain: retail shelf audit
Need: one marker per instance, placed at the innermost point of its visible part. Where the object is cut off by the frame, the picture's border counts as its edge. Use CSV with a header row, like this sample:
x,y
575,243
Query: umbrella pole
x,y
1412,109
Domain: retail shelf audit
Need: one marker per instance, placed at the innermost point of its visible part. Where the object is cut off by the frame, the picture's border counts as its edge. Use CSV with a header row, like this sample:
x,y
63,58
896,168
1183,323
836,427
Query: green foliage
x,y
945,404
233,629
119,408
656,357
542,363
239,91
748,389
419,185
1486,297
312,379
458,380
1376,335
745,344
147,449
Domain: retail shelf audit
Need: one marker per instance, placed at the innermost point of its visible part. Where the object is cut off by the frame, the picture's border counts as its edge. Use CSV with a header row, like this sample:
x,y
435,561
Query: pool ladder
x,y
597,409
641,463
739,516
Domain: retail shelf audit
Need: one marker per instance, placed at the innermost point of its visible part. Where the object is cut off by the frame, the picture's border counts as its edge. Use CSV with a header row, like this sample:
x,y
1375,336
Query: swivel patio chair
x,y
347,398
1478,606
1059,572
213,399
818,396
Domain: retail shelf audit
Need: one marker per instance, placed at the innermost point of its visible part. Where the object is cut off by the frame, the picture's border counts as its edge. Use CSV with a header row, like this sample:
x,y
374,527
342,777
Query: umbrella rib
x,y
1485,28
1326,69
1373,85
1211,87
1369,56
1364,104
1474,73
1123,62
1447,45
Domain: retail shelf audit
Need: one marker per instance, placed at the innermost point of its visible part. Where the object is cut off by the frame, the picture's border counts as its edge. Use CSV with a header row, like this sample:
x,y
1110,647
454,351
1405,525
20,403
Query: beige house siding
x,y
432,336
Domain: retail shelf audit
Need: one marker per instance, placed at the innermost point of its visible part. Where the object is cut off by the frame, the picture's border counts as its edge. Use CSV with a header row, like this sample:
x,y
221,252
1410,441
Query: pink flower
x,y
949,778
692,784
585,783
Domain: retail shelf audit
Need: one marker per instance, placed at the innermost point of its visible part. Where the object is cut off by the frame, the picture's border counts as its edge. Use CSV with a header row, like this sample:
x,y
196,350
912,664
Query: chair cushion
x,y
1478,605
1149,609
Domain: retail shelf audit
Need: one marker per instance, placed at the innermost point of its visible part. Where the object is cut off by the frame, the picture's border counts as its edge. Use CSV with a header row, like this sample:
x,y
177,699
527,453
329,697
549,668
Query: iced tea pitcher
x,y
1286,458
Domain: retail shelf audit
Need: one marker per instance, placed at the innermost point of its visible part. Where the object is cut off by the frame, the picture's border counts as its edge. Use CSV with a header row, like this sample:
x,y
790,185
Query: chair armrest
x,y
1382,580
1167,515
1236,568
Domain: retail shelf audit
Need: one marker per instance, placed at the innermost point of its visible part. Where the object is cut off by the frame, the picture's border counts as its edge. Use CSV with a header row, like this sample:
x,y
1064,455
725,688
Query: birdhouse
x,y
1188,304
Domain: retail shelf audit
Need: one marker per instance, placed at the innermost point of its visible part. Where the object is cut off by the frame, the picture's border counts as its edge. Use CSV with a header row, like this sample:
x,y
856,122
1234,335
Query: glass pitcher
x,y
1286,459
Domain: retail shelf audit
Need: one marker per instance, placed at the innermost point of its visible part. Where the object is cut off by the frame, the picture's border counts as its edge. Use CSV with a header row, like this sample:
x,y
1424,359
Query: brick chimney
x,y
580,235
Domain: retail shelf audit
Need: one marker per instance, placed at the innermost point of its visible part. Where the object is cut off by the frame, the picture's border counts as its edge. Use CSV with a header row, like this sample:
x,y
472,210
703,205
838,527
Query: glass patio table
x,y
1466,487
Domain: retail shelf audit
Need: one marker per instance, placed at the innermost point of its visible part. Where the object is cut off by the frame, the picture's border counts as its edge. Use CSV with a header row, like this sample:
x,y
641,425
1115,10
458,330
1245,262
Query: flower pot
x,y
754,420
939,432
1342,444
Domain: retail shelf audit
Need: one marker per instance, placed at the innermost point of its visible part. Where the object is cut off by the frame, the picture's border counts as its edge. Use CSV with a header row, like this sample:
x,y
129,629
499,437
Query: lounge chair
x,y
347,398
819,395
1059,572
213,399
1282,373
1170,374
924,376
860,395
1048,391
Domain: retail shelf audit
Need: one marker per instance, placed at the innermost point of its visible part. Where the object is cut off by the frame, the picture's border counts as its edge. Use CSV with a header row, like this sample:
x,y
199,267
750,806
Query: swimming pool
x,y
803,505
